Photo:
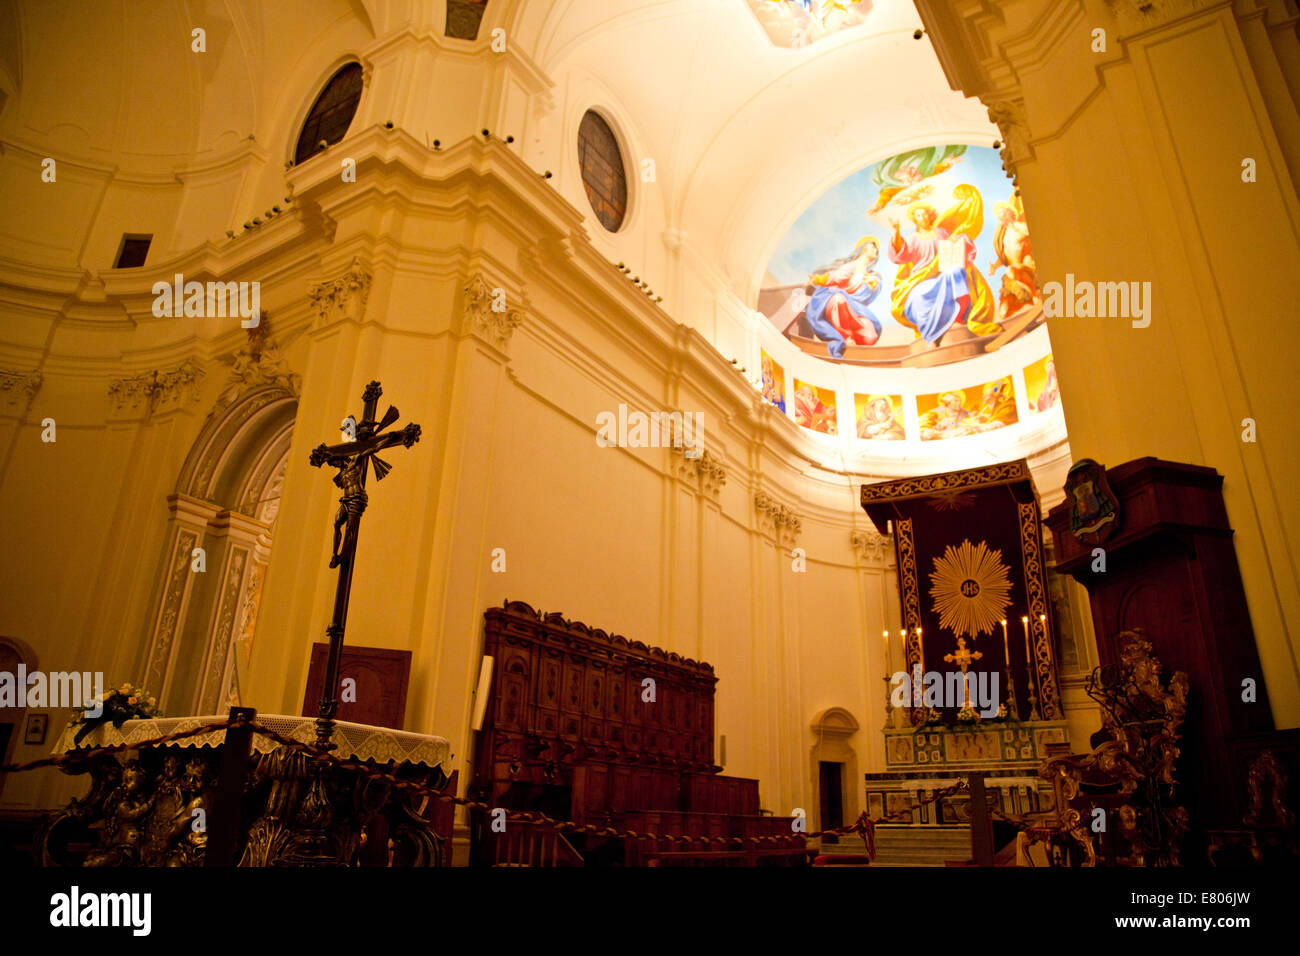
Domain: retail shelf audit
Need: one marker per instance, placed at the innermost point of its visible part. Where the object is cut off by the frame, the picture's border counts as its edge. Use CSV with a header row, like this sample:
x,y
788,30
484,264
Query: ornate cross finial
x,y
353,458
963,658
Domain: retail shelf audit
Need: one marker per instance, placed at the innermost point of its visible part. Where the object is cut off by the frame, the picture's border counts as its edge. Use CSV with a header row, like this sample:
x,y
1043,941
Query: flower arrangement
x,y
127,702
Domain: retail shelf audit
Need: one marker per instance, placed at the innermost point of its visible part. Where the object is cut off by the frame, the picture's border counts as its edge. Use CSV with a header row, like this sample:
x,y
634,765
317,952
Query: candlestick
x,y
889,703
1047,649
906,667
1012,704
918,697
1029,663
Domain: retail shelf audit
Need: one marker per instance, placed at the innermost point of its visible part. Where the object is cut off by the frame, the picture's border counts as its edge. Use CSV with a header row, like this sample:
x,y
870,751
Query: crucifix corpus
x,y
353,459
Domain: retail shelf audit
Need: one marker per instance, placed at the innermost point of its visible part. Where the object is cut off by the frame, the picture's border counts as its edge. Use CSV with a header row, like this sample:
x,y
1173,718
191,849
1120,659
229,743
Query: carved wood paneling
x,y
567,710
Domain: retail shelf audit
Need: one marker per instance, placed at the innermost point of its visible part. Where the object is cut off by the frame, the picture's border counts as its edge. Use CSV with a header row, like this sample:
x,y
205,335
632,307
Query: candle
x,y
1013,706
920,646
1029,665
886,654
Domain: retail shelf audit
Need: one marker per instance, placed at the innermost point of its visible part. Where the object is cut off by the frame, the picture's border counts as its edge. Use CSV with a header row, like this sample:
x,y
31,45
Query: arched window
x,y
332,112
603,173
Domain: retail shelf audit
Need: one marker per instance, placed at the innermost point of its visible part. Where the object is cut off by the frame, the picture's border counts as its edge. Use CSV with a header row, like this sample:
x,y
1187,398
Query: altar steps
x,y
910,846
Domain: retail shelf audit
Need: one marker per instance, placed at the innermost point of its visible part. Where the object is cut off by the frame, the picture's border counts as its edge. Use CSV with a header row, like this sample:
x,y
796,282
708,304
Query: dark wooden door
x,y
832,794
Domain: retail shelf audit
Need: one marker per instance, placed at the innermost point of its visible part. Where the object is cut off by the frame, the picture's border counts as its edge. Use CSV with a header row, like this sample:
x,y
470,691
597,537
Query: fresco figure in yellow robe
x,y
950,418
997,406
938,284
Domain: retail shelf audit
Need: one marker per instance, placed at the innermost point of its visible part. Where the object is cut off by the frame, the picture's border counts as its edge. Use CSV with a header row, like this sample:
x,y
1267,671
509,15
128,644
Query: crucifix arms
x,y
338,456
963,657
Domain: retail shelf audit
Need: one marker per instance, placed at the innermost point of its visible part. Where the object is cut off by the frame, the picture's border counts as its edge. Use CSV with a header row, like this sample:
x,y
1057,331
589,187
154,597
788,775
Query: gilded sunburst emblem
x,y
969,587
952,499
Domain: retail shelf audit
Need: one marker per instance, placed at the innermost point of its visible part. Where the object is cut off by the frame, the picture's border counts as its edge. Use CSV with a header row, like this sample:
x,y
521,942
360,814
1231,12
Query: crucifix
x,y
353,458
963,659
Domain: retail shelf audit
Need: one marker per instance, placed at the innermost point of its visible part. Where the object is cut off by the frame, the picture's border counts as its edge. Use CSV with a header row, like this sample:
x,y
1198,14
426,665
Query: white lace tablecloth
x,y
354,741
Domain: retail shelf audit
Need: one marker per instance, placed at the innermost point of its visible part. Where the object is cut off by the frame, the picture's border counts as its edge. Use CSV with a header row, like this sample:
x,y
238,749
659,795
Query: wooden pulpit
x,y
1150,540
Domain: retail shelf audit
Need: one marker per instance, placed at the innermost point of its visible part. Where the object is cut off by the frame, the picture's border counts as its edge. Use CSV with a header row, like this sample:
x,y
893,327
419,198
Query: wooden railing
x,y
532,844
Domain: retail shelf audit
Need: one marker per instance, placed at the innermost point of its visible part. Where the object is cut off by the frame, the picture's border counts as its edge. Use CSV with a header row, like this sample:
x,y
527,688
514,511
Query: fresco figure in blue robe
x,y
838,311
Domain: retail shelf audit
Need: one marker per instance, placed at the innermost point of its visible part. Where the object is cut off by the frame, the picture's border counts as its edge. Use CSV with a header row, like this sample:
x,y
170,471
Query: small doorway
x,y
831,778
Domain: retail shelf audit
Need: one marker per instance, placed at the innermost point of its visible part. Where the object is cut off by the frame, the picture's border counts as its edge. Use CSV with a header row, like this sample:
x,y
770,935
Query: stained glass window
x,y
332,113
603,173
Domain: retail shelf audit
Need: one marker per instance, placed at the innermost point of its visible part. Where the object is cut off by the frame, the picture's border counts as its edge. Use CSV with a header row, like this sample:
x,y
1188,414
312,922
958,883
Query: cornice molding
x,y
1137,16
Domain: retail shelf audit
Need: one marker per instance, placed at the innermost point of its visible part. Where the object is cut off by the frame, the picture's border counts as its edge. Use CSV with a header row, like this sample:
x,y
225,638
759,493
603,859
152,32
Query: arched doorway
x,y
835,776
218,542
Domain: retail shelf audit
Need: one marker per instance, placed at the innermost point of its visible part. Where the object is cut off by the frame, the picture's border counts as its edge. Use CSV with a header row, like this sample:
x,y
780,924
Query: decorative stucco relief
x,y
703,472
17,389
157,391
777,520
871,548
343,297
488,314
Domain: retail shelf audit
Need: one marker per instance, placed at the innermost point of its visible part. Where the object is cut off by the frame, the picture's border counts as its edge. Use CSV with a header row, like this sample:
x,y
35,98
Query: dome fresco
x,y
919,260
905,305
798,23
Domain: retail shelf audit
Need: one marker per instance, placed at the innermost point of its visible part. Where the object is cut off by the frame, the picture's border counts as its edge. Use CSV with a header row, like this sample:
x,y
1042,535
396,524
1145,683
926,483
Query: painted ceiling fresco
x,y
798,23
919,260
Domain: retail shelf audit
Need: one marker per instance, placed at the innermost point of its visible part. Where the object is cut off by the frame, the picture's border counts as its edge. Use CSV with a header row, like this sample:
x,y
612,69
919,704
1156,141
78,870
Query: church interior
x,y
641,433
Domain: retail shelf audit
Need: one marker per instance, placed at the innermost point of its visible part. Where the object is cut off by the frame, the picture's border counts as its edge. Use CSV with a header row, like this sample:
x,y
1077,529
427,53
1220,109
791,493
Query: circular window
x,y
603,174
331,114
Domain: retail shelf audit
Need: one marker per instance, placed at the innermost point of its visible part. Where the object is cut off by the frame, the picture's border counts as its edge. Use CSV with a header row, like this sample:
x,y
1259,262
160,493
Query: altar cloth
x,y
352,741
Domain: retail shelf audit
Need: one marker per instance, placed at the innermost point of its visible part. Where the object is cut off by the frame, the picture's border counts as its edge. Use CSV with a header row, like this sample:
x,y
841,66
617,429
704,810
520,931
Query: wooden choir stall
x,y
595,729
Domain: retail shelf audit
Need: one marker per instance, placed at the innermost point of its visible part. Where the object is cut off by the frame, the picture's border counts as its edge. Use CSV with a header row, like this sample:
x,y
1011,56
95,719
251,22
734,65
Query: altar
x,y
158,804
920,761
971,682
